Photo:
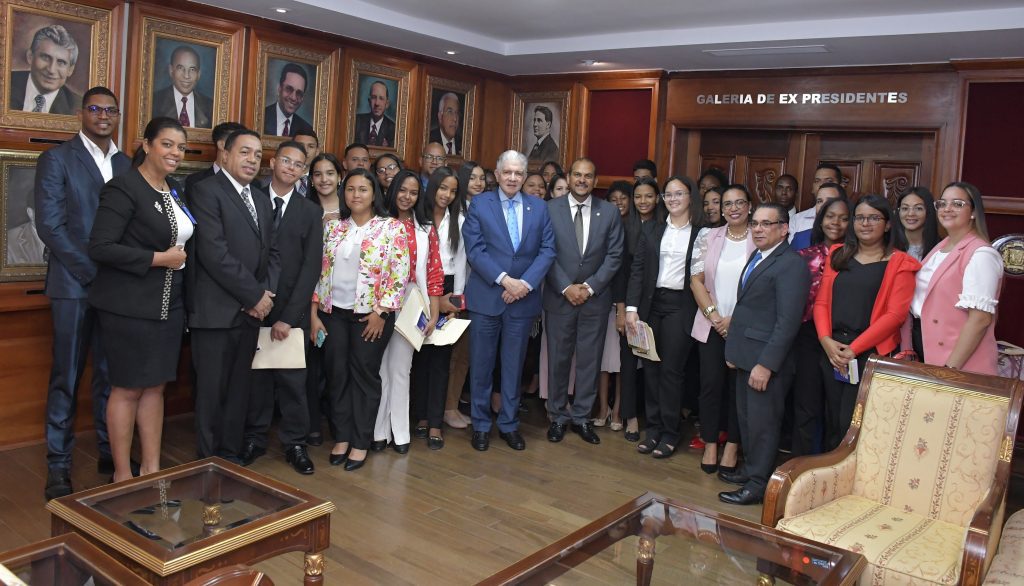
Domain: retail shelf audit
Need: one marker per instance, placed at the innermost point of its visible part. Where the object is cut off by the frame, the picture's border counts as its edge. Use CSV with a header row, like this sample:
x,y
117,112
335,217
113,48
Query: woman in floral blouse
x,y
364,273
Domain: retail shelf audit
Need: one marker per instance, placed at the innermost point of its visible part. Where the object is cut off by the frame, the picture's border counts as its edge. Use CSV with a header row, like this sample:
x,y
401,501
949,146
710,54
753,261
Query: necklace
x,y
151,183
728,232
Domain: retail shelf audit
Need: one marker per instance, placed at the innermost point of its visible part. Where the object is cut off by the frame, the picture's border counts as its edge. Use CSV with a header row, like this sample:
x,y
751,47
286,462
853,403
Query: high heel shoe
x,y
601,421
708,468
338,459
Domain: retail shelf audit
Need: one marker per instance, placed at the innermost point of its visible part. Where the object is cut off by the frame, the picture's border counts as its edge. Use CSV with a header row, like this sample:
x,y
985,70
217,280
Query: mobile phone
x,y
459,301
320,337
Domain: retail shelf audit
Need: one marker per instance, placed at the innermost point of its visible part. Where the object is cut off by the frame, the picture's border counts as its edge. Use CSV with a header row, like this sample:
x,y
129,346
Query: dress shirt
x,y
764,254
801,221
103,160
30,97
281,117
190,105
286,197
518,205
453,262
980,283
445,140
675,248
375,125
346,268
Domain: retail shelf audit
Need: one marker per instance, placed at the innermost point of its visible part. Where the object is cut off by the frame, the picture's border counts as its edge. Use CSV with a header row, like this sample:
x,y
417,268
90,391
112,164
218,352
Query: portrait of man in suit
x,y
51,56
22,243
446,128
287,100
181,99
544,140
376,128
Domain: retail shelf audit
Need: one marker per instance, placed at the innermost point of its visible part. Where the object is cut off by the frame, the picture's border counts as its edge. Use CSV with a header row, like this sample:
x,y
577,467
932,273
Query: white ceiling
x,y
554,36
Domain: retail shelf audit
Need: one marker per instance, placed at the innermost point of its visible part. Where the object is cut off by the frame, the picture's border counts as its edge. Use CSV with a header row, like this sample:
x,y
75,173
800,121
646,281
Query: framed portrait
x,y
187,168
378,107
291,91
51,54
450,106
184,66
23,254
540,126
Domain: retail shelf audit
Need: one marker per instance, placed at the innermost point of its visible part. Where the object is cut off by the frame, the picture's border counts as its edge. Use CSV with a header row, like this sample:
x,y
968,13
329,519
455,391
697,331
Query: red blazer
x,y
889,311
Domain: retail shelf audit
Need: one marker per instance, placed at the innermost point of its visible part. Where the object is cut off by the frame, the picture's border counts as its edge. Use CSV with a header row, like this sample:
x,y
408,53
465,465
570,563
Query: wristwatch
x,y
383,314
707,311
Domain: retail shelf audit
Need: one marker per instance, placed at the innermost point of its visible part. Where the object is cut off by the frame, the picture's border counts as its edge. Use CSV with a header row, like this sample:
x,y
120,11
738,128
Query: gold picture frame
x,y
22,254
394,130
435,117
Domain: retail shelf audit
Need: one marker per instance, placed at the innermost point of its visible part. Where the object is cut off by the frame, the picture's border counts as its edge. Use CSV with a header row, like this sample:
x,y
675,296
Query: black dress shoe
x,y
378,445
299,459
742,496
420,432
338,459
514,440
315,439
435,442
556,432
401,448
733,478
481,440
354,465
250,452
58,483
586,431
708,468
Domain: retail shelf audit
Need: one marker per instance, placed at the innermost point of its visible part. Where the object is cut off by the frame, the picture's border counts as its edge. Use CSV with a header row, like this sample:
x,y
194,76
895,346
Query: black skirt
x,y
141,352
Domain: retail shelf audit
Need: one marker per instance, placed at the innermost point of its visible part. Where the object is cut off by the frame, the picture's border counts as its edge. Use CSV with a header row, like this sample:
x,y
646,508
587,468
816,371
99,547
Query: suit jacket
x,y
545,150
165,105
129,228
24,247
435,136
643,277
490,253
195,178
231,258
67,193
596,266
768,312
385,136
298,125
65,102
299,240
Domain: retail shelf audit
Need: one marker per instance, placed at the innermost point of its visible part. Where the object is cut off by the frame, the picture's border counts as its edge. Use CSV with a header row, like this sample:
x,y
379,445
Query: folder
x,y
288,353
412,320
447,333
641,341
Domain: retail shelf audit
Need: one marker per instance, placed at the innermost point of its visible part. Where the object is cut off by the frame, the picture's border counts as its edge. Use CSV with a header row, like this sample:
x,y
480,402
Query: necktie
x,y
750,267
278,206
285,131
40,102
373,133
513,224
183,117
248,204
301,186
579,226
451,151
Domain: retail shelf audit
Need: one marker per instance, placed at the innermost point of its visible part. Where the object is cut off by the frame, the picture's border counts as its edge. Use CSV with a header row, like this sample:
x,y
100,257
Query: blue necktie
x,y
751,266
513,224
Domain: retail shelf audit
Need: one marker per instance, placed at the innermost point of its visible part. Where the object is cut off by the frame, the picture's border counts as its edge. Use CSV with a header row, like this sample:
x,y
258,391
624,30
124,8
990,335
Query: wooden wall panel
x,y
724,163
761,176
893,178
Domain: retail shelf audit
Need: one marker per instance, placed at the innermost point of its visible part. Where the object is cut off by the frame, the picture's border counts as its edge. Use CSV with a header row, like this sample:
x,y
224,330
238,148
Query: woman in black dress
x,y
138,243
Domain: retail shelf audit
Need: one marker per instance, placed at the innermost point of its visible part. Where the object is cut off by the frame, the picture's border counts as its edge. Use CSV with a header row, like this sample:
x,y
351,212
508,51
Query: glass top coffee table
x,y
654,540
179,523
67,560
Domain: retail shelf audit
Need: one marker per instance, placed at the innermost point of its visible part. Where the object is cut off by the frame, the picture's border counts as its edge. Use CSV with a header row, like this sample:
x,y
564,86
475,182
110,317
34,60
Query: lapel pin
x,y
598,213
156,204
527,209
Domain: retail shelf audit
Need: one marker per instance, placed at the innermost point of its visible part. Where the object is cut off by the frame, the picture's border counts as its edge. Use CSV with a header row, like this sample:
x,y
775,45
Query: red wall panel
x,y
994,138
618,129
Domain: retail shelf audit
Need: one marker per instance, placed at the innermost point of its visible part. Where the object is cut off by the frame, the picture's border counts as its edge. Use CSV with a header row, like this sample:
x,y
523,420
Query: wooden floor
x,y
452,516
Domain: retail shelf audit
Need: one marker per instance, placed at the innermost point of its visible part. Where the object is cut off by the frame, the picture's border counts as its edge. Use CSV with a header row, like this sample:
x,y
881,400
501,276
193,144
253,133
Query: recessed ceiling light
x,y
281,10
590,62
784,50
451,52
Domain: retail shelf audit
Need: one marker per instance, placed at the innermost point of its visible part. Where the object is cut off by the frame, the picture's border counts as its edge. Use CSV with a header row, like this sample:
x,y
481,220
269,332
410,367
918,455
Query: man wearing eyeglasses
x,y
770,301
68,182
433,158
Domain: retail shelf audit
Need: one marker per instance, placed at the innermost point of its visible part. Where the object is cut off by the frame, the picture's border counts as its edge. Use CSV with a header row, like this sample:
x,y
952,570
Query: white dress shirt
x,y
453,262
346,267
103,160
675,248
801,221
190,105
30,97
727,275
764,254
285,198
238,189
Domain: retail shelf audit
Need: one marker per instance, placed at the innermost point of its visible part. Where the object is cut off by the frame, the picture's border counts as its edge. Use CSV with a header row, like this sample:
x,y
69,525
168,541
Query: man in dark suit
x,y
298,238
68,182
280,118
51,57
231,281
374,128
180,100
310,142
577,298
546,148
447,132
221,132
510,246
769,306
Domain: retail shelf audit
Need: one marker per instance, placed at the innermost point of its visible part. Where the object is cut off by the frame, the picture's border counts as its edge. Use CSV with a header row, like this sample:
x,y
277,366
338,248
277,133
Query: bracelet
x,y
707,311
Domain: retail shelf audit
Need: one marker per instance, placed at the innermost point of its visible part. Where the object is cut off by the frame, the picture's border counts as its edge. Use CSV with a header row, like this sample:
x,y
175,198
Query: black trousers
x,y
808,392
629,379
316,386
671,319
353,375
223,360
430,368
717,392
760,416
286,387
840,400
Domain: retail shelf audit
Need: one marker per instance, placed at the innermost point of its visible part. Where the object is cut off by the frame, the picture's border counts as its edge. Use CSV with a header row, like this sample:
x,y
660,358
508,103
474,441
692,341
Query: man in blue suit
x,y
68,182
510,246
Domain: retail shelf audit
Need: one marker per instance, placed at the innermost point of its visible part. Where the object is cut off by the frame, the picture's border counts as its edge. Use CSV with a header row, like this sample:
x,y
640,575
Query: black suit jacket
x,y
435,136
299,242
298,125
385,137
231,261
643,277
193,179
768,312
65,102
164,105
545,150
128,230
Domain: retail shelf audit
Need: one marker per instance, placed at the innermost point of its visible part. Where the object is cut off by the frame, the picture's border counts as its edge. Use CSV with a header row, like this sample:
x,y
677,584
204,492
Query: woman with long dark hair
x,y
325,174
713,207
558,187
918,223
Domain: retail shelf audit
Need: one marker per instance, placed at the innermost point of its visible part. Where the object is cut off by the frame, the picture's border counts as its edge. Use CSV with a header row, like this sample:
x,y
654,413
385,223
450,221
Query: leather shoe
x,y
58,483
420,432
586,431
105,466
733,478
250,452
401,448
435,442
556,432
742,496
354,464
513,439
481,440
338,459
378,445
299,459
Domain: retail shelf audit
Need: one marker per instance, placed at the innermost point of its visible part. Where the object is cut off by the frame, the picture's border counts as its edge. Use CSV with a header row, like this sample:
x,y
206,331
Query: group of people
x,y
735,291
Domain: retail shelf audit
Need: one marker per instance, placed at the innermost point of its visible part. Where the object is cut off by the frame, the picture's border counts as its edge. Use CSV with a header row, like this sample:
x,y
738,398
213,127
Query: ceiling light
x,y
451,52
280,10
784,50
590,62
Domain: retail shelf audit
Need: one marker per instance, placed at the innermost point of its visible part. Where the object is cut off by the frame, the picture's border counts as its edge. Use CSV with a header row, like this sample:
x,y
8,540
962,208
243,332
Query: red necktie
x,y
183,117
450,150
373,134
286,121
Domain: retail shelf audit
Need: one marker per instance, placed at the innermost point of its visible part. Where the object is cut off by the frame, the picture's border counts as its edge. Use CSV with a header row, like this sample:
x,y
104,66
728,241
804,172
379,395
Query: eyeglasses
x,y
764,224
916,209
870,220
434,158
675,195
292,163
738,204
110,110
940,204
388,167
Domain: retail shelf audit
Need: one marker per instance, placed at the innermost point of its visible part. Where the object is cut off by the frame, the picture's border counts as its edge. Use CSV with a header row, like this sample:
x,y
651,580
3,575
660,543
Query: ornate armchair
x,y
918,485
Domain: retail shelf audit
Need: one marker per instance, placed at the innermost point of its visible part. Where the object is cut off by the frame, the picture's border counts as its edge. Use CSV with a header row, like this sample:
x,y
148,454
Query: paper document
x,y
641,340
447,331
412,320
288,353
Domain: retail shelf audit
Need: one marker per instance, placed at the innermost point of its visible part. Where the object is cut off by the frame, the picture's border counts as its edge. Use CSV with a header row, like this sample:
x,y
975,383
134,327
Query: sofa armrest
x,y
983,535
808,482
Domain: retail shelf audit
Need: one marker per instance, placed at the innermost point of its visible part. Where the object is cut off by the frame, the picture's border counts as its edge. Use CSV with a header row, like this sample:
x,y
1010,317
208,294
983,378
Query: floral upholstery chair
x,y
918,485
1008,566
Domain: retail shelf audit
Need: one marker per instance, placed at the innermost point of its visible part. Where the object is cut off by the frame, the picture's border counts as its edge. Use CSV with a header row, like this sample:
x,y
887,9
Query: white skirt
x,y
610,357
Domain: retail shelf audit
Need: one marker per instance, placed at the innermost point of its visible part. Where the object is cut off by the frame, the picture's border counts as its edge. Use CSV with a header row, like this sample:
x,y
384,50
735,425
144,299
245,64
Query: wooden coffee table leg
x,y
644,560
314,569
